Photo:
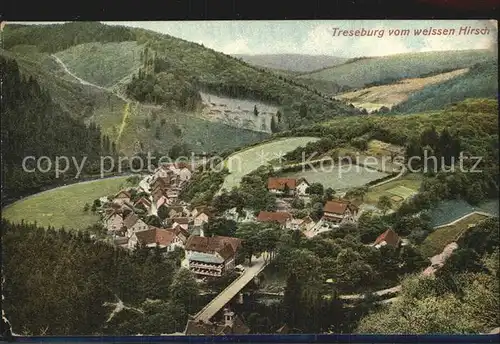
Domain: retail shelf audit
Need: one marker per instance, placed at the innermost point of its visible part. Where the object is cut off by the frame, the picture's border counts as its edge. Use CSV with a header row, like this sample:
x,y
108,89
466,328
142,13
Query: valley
x,y
244,225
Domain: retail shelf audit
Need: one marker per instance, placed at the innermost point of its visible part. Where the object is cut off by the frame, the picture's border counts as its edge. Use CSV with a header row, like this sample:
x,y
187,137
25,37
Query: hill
x,y
376,97
374,71
481,81
470,126
174,70
292,62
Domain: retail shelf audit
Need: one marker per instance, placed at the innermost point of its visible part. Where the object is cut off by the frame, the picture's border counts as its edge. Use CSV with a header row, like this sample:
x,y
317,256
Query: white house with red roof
x,y
284,219
337,212
165,239
389,237
211,256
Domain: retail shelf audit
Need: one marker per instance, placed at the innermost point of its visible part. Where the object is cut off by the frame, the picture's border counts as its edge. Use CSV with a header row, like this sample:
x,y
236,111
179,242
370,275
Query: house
x,y
389,237
133,224
281,217
339,211
177,211
143,203
113,223
182,222
232,324
153,236
122,197
181,233
304,224
211,256
302,186
280,185
203,215
162,183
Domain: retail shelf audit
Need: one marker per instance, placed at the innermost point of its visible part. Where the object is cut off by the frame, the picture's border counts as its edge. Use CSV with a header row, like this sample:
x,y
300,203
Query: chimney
x,y
228,317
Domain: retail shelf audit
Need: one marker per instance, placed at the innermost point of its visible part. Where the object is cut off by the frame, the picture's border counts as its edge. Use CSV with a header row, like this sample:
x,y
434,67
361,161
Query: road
x,y
232,290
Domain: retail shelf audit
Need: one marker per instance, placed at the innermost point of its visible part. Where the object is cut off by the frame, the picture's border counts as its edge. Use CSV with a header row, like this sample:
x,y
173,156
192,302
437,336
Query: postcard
x,y
250,177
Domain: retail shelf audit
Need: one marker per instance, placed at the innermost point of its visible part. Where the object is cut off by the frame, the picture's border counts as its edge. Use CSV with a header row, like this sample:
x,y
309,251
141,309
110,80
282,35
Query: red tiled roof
x,y
144,201
338,206
156,235
269,216
180,220
130,220
213,244
179,165
389,236
123,193
279,183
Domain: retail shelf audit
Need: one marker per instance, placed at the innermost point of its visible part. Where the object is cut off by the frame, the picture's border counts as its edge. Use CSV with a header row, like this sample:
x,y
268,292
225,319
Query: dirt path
x,y
84,82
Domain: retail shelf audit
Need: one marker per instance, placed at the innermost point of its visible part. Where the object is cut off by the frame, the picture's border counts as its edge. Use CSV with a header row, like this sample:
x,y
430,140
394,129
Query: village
x,y
182,226
179,226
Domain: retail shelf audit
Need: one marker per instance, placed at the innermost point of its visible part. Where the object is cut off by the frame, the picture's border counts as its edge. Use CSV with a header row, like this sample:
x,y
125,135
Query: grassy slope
x,y
365,71
102,64
480,81
375,97
63,207
437,240
91,103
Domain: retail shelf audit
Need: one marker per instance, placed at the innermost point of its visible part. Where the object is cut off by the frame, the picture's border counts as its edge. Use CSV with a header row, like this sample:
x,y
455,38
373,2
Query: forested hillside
x,y
34,125
364,72
57,283
470,127
481,81
186,67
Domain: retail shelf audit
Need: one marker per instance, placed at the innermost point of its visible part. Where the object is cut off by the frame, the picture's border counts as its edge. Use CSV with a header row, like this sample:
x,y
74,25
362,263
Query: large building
x,y
339,211
211,256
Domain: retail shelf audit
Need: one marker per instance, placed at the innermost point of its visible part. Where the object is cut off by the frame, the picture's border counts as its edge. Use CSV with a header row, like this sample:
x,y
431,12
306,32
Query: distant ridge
x,y
292,62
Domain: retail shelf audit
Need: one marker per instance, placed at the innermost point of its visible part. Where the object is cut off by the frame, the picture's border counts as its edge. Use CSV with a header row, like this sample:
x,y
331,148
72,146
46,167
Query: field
x,y
437,240
339,178
401,66
63,207
398,190
248,160
376,97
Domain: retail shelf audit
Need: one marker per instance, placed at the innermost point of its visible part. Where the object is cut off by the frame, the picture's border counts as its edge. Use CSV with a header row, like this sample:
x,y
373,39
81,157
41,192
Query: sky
x,y
314,37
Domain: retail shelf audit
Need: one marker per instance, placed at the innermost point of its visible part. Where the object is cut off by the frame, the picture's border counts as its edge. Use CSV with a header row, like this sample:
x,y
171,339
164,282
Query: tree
x,y
315,189
274,126
384,203
86,207
357,193
303,110
220,226
317,211
329,194
153,220
163,212
255,112
298,203
278,116
184,289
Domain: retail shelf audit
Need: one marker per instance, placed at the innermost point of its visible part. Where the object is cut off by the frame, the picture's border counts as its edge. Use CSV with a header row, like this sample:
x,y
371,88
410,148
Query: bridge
x,y
258,264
